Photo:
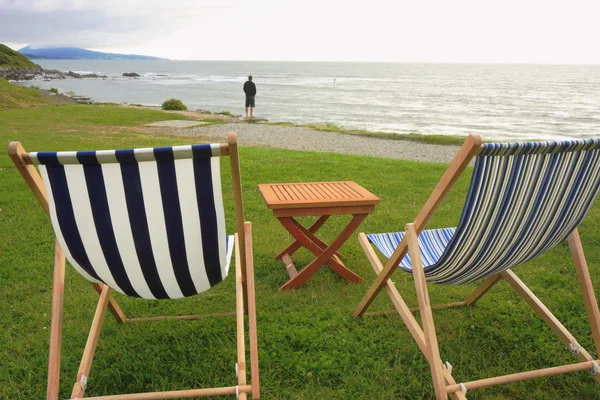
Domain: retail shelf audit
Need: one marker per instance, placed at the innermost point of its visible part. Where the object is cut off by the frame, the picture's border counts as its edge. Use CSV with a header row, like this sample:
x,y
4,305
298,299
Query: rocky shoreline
x,y
27,74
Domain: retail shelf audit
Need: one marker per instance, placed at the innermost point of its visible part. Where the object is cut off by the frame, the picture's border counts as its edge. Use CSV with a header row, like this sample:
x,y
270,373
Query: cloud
x,y
69,27
535,31
95,24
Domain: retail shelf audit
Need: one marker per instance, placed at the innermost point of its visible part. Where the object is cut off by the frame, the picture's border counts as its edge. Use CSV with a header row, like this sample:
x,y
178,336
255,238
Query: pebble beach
x,y
301,138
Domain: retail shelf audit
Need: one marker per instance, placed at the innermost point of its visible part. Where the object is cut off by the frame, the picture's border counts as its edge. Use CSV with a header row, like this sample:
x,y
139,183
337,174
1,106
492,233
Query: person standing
x,y
250,90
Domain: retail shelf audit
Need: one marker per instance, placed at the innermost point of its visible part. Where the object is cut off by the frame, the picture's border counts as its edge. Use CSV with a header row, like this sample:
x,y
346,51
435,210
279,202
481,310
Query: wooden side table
x,y
322,199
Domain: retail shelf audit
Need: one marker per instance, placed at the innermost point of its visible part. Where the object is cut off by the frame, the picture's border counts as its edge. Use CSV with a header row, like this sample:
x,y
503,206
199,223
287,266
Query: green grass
x,y
310,347
14,96
226,113
412,137
215,121
10,58
77,121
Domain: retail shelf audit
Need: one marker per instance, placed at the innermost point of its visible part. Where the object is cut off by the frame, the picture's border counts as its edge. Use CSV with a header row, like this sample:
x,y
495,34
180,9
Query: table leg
x,y
292,248
289,265
312,236
334,263
324,256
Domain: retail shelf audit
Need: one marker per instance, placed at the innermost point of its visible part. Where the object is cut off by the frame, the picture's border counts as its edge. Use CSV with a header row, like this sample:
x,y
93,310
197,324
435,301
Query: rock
x,y
75,75
131,74
49,74
20,74
27,74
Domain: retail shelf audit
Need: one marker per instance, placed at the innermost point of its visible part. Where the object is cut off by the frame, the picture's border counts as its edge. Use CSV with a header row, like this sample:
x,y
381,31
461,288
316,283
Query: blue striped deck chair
x,y
147,223
523,200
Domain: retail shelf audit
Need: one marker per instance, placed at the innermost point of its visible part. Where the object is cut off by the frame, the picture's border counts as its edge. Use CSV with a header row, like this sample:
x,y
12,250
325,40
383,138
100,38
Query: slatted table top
x,y
316,194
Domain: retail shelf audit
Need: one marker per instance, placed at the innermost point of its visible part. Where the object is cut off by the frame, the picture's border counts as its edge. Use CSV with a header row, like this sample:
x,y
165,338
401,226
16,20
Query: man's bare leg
x,y
247,113
251,109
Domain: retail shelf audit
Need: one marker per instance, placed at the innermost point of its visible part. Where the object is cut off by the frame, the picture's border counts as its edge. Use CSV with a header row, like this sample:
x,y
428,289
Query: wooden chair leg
x,y
435,361
482,289
405,313
58,291
586,287
113,306
239,317
546,315
252,328
90,346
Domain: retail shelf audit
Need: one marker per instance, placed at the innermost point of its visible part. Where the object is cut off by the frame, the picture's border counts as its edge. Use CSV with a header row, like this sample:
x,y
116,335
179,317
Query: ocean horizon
x,y
498,101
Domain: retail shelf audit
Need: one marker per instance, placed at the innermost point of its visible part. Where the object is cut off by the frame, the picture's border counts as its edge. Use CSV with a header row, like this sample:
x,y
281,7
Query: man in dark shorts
x,y
250,90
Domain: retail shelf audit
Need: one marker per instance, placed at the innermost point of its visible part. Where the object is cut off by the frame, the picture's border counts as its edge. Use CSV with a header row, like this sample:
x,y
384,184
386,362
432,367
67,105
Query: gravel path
x,y
298,138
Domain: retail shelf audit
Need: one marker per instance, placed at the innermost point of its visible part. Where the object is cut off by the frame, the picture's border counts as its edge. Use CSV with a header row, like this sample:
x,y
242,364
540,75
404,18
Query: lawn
x,y
14,97
310,346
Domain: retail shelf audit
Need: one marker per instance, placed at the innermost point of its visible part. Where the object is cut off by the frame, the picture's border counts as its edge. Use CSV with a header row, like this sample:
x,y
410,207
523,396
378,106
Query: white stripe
x,y
106,156
215,149
215,167
117,204
67,157
230,244
85,223
142,155
56,226
182,152
184,171
157,228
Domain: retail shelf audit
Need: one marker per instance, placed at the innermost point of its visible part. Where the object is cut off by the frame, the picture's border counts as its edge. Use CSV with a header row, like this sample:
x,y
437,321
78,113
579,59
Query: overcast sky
x,y
507,31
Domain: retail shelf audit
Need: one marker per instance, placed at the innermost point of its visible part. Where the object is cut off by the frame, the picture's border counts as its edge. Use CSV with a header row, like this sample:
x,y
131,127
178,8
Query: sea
x,y
500,102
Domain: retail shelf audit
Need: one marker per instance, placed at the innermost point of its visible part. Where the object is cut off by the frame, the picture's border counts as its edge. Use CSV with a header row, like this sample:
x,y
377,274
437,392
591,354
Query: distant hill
x,y
76,53
11,59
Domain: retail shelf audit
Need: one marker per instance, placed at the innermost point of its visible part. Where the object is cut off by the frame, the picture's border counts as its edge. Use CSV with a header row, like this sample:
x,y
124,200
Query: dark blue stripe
x,y
173,220
208,217
201,151
66,216
134,197
87,157
163,154
103,222
48,158
125,156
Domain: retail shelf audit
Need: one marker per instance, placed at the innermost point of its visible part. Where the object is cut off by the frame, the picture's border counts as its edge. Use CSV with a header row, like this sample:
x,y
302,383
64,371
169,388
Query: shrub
x,y
53,90
173,104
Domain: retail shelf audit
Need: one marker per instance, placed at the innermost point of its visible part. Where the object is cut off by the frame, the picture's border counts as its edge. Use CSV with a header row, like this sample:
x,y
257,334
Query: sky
x,y
461,31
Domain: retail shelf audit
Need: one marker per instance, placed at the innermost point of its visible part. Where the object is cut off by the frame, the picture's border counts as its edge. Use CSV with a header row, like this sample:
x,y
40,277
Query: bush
x,y
173,104
53,90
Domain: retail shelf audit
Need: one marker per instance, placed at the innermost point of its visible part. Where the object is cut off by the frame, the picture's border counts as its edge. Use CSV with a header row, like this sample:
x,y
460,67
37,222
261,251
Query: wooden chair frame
x,y
245,299
425,337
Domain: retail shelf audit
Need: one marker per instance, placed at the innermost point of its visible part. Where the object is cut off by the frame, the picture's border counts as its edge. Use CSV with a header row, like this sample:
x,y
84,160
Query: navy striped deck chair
x,y
523,200
146,223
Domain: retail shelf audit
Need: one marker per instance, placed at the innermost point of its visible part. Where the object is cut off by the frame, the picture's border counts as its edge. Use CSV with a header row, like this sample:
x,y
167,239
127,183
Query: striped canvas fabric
x,y
147,222
524,199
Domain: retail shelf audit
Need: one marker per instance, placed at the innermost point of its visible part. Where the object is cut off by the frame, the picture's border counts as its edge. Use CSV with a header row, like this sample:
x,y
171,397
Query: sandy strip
x,y
298,138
